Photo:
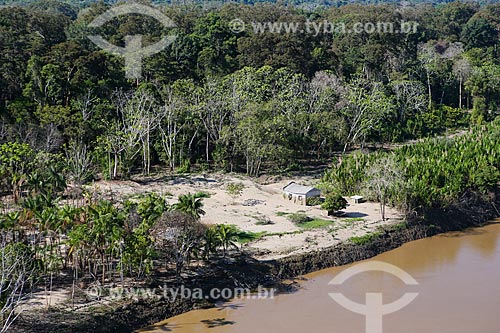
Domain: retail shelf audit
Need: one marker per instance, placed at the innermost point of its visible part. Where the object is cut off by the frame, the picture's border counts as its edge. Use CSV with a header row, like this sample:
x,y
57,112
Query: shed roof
x,y
295,188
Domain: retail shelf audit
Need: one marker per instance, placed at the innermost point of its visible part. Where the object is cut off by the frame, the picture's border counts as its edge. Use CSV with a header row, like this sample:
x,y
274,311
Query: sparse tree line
x,y
251,120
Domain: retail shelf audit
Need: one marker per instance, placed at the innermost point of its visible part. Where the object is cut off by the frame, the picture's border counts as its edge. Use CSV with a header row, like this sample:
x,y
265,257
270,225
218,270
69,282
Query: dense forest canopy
x,y
225,100
306,3
242,101
322,3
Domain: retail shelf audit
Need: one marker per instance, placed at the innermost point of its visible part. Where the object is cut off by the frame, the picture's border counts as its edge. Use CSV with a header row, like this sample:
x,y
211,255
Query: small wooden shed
x,y
299,193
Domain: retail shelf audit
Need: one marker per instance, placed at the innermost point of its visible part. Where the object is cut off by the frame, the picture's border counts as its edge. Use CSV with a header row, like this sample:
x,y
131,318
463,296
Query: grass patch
x,y
349,222
399,226
261,219
392,227
264,221
315,223
245,237
353,219
203,194
365,239
298,218
282,213
305,222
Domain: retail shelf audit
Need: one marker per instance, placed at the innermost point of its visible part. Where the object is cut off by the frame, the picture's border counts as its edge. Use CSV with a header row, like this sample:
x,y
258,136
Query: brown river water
x,y
458,277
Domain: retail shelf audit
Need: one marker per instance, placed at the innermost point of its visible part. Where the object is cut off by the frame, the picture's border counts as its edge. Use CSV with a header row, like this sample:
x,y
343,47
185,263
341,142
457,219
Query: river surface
x,y
458,277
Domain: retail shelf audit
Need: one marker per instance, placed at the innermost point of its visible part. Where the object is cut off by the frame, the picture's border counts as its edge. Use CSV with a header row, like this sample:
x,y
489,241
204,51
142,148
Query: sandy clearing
x,y
222,209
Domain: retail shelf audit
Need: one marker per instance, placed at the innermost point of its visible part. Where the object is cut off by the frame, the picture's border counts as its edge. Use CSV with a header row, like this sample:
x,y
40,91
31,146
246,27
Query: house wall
x,y
295,198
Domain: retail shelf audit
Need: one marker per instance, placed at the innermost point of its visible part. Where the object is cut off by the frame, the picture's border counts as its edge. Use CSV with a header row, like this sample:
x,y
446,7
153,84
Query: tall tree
x,y
365,107
384,176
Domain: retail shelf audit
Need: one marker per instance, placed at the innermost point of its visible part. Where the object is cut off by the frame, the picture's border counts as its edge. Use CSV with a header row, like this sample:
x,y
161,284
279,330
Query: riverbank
x,y
246,271
473,211
458,292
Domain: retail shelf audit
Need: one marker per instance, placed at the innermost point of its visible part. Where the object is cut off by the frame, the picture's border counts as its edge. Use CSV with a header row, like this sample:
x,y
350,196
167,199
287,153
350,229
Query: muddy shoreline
x,y
244,271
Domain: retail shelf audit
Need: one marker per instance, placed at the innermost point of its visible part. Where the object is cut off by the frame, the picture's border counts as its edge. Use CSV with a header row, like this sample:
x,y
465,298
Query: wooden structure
x,y
299,193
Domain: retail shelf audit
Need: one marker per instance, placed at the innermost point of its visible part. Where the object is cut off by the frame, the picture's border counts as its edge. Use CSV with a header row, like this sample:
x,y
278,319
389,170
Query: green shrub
x,y
185,167
151,206
294,166
234,189
202,194
314,201
334,202
298,218
203,166
365,239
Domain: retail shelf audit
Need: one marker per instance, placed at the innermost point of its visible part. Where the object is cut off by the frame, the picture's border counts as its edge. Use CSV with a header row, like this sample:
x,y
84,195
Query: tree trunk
x,y
103,269
429,89
345,147
148,161
115,167
207,148
460,93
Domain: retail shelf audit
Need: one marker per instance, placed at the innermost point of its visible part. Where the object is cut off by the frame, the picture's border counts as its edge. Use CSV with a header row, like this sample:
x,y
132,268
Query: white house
x,y
299,193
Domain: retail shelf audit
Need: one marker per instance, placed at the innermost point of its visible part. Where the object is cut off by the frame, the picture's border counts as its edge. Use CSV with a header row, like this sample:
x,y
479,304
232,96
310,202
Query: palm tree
x,y
106,227
211,242
55,180
151,207
228,236
190,204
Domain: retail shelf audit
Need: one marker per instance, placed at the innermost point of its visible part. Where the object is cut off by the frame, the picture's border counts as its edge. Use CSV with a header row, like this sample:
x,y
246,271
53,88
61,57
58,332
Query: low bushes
x,y
298,218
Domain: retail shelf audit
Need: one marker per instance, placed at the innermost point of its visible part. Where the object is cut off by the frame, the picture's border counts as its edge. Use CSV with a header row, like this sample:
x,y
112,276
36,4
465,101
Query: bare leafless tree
x,y
131,135
85,104
365,106
170,125
17,273
178,235
214,112
410,97
384,178
4,129
52,138
462,69
79,162
428,57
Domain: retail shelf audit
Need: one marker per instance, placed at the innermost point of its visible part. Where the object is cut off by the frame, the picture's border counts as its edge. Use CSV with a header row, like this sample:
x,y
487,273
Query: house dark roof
x,y
298,189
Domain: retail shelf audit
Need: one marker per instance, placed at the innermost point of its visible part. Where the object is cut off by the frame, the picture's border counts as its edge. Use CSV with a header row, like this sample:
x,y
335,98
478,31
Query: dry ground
x,y
260,201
